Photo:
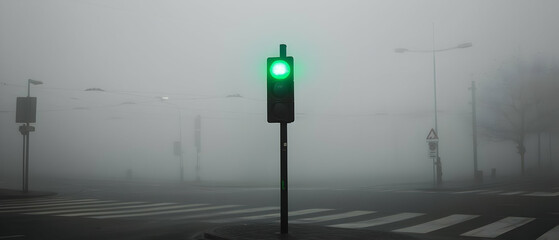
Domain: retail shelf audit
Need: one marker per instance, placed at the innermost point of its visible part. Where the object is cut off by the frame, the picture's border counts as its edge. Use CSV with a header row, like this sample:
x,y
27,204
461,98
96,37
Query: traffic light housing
x,y
281,104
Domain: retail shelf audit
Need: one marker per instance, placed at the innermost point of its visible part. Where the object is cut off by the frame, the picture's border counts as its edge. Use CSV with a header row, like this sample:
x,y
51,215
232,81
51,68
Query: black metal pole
x,y
26,187
474,128
283,170
23,184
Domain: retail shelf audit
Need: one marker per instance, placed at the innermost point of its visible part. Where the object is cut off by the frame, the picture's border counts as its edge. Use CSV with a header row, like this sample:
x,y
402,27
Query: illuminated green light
x,y
280,69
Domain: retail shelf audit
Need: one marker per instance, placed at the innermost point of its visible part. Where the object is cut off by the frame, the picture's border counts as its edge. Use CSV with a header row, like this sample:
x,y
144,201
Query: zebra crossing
x,y
403,222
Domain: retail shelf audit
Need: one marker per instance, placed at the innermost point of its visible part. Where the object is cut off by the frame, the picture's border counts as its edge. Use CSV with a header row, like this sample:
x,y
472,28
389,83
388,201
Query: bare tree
x,y
525,103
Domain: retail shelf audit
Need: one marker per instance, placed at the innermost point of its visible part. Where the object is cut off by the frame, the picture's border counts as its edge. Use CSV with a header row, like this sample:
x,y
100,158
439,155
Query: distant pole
x,y
181,151
26,136
434,171
474,127
435,84
438,158
539,151
198,142
549,149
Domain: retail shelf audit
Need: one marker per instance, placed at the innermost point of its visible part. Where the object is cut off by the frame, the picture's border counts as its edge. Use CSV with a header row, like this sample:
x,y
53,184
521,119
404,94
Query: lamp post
x,y
433,52
179,147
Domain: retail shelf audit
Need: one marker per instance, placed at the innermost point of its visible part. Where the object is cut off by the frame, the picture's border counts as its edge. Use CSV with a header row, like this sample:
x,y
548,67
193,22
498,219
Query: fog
x,y
363,111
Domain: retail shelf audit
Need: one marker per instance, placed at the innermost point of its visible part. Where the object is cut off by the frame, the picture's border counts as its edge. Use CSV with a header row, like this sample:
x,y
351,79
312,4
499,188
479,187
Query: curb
x,y
296,232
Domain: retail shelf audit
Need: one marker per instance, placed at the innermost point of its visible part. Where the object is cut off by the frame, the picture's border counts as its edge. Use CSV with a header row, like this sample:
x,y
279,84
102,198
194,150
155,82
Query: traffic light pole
x,y
283,164
283,173
281,110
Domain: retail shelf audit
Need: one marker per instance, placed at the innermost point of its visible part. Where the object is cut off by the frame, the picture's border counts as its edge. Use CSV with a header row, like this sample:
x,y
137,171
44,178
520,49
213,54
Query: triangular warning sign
x,y
432,136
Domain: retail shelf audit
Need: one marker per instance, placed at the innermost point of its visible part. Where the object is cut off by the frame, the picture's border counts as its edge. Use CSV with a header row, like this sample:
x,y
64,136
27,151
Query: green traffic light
x,y
280,69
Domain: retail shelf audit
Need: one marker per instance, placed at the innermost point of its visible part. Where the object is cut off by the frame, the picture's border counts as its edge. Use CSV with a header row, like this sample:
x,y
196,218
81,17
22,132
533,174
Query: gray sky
x,y
343,49
197,52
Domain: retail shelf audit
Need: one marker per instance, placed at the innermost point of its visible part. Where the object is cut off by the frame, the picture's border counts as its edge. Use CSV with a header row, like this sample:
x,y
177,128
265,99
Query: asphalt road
x,y
512,210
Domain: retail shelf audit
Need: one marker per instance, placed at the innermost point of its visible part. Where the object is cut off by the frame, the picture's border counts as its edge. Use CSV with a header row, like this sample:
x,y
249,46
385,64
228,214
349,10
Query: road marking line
x,y
15,205
78,202
332,217
81,208
242,211
167,212
512,193
491,192
437,224
143,208
497,228
13,236
543,194
552,234
250,210
32,200
92,211
378,221
471,191
290,214
388,190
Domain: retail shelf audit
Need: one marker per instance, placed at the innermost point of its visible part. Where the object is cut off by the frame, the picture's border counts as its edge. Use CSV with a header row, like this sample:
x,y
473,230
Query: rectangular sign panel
x,y
26,111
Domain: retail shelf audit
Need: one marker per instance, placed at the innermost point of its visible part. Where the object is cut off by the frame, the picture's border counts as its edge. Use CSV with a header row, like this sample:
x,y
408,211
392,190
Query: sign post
x,y
26,113
433,143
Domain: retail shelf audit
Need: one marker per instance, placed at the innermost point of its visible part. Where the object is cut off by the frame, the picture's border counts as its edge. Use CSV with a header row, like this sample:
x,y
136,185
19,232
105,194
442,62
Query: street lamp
x,y
34,82
178,149
434,51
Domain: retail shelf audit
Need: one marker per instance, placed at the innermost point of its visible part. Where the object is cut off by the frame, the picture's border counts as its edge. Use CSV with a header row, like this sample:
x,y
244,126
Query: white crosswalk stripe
x,y
167,212
495,229
48,204
491,192
332,217
242,211
69,207
130,211
470,191
437,224
543,194
292,214
84,210
378,221
32,200
552,234
512,193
